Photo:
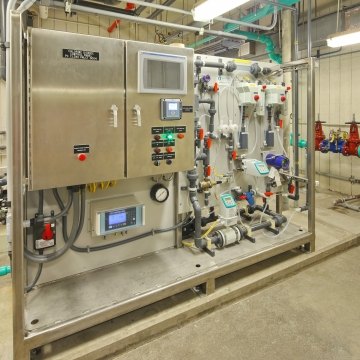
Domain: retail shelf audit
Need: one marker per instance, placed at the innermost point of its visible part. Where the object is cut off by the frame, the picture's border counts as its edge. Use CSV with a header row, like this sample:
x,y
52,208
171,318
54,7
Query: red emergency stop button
x,y
256,97
181,136
169,149
288,88
264,87
81,157
283,98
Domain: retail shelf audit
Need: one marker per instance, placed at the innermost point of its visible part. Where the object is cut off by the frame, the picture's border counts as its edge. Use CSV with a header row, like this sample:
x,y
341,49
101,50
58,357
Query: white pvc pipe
x,y
26,4
220,18
142,20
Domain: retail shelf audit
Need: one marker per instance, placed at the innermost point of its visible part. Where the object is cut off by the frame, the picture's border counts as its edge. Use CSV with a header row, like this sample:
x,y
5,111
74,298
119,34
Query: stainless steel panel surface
x,y
70,104
127,290
139,135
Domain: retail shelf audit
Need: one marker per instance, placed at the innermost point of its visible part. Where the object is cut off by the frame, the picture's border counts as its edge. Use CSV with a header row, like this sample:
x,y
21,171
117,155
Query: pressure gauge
x,y
159,193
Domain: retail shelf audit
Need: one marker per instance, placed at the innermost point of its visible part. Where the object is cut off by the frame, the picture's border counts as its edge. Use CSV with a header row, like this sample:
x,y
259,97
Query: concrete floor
x,y
312,315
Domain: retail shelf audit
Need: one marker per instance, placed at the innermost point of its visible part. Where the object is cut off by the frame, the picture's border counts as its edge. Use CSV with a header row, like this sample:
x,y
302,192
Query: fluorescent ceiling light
x,y
344,38
210,9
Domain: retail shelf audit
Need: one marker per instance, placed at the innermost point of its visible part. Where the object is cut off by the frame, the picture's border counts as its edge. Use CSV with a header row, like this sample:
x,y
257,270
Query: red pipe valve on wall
x,y
352,144
319,134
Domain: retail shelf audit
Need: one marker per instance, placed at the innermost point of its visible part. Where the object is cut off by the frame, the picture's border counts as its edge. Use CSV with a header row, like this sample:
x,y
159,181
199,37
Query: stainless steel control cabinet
x,y
76,109
155,72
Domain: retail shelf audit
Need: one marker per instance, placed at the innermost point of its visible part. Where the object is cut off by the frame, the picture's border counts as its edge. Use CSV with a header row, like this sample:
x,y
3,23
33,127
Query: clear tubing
x,y
283,230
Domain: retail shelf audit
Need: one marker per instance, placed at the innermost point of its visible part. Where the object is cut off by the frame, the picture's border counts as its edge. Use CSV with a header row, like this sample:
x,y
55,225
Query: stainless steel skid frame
x,y
168,272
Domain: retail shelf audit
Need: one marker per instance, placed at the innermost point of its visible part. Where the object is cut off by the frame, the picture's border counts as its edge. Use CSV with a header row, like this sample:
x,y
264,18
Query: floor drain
x,y
34,322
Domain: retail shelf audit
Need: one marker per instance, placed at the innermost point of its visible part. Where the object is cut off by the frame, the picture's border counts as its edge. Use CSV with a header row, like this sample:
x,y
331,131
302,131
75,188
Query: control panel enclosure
x,y
160,119
76,109
115,215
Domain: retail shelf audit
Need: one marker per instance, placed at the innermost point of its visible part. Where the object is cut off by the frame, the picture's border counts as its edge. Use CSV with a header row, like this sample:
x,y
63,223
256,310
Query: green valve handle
x,y
301,143
4,270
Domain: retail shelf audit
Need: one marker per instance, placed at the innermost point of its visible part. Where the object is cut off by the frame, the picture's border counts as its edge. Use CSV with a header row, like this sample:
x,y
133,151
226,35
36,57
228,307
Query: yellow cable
x,y
210,229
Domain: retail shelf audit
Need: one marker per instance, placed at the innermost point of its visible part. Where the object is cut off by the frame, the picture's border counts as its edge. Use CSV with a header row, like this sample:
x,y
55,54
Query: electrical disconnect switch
x,y
44,234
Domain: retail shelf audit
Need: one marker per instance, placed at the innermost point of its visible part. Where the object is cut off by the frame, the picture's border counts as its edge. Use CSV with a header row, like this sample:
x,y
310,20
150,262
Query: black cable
x,y
88,249
58,253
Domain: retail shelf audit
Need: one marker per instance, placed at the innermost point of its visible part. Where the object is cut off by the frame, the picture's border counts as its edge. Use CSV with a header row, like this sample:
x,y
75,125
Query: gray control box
x,y
171,109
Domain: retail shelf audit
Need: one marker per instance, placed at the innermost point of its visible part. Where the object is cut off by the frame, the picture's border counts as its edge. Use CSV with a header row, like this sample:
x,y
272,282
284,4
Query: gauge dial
x,y
159,193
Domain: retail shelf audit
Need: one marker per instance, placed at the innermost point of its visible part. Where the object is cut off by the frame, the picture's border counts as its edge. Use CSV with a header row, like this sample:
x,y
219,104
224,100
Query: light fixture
x,y
344,38
210,9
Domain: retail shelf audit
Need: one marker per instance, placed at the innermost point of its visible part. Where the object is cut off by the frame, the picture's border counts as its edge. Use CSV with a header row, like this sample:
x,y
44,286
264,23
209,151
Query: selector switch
x,y
157,163
157,137
157,150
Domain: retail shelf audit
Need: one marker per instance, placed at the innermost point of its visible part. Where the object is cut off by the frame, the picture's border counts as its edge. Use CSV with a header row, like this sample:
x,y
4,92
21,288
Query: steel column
x,y
310,160
16,180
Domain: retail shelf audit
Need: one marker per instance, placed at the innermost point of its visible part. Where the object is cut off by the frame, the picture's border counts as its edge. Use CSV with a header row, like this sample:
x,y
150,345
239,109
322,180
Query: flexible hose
x,y
36,278
64,210
88,249
55,255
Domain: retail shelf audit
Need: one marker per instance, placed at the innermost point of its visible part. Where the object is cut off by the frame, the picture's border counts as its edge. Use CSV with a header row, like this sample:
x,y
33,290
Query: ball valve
x,y
352,144
319,134
278,161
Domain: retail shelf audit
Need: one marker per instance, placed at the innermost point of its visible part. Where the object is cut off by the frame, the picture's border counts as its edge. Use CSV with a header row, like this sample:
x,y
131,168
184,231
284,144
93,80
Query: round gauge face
x,y
159,193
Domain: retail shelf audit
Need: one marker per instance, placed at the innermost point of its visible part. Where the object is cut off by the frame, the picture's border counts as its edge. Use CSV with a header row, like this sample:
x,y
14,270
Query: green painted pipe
x,y
255,16
4,270
270,46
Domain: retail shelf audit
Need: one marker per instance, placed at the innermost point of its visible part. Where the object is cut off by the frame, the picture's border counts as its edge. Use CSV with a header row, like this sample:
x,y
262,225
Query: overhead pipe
x,y
266,10
147,21
98,6
163,7
263,39
157,12
141,8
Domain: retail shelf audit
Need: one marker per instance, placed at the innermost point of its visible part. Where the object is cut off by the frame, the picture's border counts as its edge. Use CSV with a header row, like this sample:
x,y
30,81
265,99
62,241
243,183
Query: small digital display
x,y
228,200
173,106
117,218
